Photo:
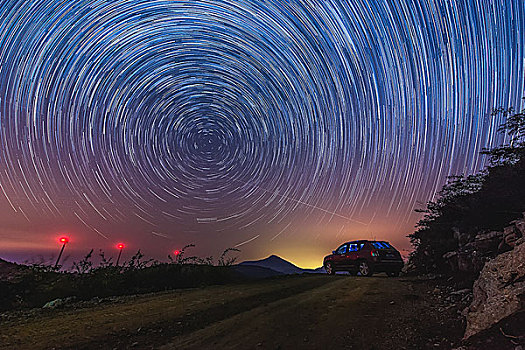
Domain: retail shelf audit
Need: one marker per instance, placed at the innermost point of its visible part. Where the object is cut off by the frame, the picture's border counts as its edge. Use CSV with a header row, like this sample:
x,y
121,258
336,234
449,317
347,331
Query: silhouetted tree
x,y
466,205
514,126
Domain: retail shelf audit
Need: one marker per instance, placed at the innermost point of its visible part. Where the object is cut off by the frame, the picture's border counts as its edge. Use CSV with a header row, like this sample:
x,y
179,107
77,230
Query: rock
x,y
461,291
499,291
465,312
408,268
452,260
514,232
449,255
483,236
428,277
511,235
461,237
470,261
487,242
520,225
53,304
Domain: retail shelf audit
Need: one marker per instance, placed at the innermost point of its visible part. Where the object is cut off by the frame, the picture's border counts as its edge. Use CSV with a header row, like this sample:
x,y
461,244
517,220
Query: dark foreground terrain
x,y
305,311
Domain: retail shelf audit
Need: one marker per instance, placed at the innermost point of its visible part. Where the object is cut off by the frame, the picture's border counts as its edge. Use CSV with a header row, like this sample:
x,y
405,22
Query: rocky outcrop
x,y
499,259
499,291
514,232
475,250
471,256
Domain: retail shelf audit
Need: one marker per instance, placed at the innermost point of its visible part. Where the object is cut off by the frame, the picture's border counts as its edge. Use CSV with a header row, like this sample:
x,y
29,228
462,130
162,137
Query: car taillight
x,y
374,253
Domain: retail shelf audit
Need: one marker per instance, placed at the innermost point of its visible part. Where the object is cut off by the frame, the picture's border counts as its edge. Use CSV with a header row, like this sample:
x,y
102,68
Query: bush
x,y
40,284
486,201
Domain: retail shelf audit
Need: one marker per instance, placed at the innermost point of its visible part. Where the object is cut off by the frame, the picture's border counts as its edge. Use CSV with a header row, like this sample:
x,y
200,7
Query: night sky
x,y
277,127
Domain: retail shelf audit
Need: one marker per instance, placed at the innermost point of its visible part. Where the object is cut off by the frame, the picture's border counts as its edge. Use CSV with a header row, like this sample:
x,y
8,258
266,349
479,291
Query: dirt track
x,y
307,312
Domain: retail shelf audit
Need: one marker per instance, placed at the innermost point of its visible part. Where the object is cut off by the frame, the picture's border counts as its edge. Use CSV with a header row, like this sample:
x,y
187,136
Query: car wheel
x,y
365,269
393,273
329,269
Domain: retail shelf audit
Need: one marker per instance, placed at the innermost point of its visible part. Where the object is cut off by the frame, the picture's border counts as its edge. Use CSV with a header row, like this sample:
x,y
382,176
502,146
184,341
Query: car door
x,y
364,251
352,254
340,256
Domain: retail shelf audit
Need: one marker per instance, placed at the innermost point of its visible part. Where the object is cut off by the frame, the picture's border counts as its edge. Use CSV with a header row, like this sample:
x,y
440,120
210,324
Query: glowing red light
x,y
120,246
176,252
63,240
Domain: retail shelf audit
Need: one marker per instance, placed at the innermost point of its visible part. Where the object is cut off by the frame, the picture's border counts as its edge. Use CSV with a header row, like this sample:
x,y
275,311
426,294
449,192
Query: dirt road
x,y
307,312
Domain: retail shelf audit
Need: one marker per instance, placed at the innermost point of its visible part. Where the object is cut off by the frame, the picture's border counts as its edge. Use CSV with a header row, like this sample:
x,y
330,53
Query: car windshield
x,y
382,245
342,249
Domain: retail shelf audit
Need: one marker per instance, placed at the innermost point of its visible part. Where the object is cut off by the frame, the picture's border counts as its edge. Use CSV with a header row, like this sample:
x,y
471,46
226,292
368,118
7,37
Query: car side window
x,y
353,247
342,249
382,245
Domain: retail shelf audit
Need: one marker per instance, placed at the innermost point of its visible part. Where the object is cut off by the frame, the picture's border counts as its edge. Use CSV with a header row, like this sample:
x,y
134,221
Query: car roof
x,y
353,242
362,241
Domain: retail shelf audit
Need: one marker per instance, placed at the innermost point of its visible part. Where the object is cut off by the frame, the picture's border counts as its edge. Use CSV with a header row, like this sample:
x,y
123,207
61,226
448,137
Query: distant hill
x,y
280,265
9,270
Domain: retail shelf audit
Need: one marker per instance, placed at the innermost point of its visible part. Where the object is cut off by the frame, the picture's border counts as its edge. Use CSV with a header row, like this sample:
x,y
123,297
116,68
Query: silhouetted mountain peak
x,y
274,257
275,263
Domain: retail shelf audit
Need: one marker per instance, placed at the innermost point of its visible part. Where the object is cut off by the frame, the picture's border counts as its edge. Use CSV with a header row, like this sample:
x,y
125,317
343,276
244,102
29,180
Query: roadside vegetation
x,y
468,205
36,284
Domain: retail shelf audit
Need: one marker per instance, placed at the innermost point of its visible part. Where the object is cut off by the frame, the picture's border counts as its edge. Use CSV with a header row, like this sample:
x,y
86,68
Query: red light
x,y
176,252
63,240
120,246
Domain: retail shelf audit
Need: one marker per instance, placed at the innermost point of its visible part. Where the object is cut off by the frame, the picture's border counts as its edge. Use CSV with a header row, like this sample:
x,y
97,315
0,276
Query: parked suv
x,y
365,257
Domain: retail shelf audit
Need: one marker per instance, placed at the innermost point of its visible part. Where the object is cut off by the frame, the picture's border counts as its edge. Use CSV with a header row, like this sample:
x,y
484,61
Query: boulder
x,y
499,291
461,237
514,232
520,225
466,261
409,267
57,303
470,261
487,242
53,304
511,235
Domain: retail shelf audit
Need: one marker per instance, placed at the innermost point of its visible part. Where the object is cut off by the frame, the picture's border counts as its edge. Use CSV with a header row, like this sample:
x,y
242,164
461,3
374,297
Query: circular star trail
x,y
235,115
